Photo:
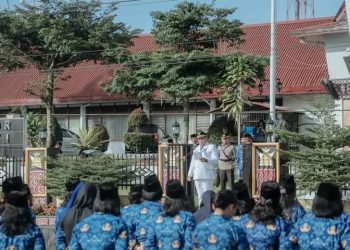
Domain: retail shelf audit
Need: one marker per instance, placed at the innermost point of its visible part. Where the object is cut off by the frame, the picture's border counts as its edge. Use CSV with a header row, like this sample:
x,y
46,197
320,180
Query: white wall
x,y
336,49
301,103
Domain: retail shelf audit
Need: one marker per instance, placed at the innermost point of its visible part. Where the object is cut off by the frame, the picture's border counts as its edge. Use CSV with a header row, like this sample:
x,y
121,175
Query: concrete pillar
x,y
83,117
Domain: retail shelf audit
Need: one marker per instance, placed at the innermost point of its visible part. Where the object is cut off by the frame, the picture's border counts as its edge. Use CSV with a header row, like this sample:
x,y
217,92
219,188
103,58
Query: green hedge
x,y
137,119
96,169
139,142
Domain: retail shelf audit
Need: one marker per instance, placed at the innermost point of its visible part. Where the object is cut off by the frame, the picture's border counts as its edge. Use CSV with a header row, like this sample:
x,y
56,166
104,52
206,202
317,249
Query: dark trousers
x,y
247,166
226,176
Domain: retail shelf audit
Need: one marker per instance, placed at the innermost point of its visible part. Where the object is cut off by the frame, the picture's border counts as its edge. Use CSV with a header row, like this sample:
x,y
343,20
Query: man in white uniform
x,y
202,168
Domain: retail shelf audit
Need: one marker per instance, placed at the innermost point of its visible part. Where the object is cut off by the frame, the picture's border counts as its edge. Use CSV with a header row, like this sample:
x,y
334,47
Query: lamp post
x,y
176,130
279,85
273,65
43,135
269,129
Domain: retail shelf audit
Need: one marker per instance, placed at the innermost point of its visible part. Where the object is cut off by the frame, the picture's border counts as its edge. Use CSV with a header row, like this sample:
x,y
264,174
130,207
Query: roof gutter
x,y
309,41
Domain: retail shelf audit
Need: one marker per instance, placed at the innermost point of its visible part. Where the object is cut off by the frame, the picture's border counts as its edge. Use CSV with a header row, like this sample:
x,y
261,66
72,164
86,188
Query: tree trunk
x,y
186,108
49,113
49,107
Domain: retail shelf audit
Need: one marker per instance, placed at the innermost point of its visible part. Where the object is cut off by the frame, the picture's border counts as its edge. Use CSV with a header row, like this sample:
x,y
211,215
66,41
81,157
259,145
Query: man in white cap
x,y
202,168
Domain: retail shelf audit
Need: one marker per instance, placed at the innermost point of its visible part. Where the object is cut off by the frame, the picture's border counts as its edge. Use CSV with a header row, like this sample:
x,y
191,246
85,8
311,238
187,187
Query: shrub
x,y
139,142
96,169
219,126
137,119
45,210
34,123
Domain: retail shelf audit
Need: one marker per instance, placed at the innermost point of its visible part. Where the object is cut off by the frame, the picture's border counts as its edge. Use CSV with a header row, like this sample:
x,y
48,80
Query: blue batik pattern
x,y
316,233
297,213
239,159
31,239
129,214
270,236
238,221
345,218
146,211
167,232
100,232
216,233
60,241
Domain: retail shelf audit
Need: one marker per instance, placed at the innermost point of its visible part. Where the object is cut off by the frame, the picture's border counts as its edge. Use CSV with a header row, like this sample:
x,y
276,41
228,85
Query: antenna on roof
x,y
302,9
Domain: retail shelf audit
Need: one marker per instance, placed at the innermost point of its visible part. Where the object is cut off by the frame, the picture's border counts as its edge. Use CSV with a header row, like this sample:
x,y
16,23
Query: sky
x,y
136,14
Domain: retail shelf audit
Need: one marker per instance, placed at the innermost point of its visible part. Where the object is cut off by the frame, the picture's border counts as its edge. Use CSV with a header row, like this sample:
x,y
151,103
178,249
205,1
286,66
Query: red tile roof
x,y
300,67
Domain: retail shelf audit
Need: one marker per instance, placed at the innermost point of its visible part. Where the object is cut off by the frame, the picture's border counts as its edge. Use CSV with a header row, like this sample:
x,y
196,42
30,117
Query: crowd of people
x,y
91,217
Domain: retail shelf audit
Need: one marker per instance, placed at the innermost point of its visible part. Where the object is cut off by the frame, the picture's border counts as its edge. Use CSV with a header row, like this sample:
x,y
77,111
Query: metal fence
x,y
11,167
138,166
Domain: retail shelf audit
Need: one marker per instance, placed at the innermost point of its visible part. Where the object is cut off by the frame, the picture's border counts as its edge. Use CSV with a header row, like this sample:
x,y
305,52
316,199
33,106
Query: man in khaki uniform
x,y
226,162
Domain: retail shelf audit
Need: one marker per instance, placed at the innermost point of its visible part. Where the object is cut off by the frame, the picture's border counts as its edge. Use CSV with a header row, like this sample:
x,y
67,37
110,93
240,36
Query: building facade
x,y
81,102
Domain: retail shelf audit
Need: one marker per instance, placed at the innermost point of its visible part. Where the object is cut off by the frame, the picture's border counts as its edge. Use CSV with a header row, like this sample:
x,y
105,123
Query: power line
x,y
171,61
223,42
82,6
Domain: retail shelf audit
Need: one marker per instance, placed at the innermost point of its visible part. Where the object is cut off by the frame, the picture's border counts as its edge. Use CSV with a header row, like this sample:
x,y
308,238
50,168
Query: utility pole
x,y
297,9
273,65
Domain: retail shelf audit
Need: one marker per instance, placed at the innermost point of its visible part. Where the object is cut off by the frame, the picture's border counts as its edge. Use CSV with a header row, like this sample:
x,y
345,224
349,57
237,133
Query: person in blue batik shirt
x,y
206,207
244,205
129,212
104,229
264,227
292,211
152,193
217,232
82,208
321,229
30,202
173,228
17,229
244,159
67,203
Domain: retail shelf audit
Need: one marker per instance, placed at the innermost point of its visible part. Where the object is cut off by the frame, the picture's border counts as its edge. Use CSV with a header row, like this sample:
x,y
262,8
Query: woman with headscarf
x,y
172,228
104,229
264,227
321,228
81,209
206,206
17,229
73,187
